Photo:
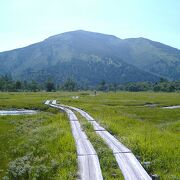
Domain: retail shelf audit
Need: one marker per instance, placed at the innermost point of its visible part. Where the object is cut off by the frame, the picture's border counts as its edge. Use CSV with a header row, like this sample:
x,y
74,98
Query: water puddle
x,y
150,105
171,107
17,112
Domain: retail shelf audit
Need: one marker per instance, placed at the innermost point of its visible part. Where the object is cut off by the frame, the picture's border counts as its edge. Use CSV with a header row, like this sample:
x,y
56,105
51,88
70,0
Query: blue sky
x,y
23,22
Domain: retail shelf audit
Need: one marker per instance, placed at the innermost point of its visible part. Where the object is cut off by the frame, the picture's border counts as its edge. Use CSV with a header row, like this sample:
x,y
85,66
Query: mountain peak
x,y
90,57
81,33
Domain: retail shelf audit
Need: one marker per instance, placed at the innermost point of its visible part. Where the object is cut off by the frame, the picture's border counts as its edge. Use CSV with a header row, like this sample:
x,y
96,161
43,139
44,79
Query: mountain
x,y
90,57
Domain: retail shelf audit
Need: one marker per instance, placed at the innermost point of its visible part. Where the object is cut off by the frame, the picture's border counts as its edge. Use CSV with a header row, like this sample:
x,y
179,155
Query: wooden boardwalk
x,y
89,167
129,165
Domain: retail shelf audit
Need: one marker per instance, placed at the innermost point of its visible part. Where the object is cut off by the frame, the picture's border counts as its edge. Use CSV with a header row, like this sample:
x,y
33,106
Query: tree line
x,y
162,85
7,84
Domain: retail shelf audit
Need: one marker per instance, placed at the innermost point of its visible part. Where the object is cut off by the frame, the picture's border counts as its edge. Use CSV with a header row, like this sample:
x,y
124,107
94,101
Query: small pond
x,y
171,107
17,112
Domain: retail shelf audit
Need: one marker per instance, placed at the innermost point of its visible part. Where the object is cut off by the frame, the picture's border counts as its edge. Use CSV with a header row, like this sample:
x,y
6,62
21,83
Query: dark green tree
x,y
18,85
33,86
102,86
50,86
114,87
69,85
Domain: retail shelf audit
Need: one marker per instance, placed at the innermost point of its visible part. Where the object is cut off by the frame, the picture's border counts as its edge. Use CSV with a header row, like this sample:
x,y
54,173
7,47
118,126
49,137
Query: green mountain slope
x,y
91,57
154,57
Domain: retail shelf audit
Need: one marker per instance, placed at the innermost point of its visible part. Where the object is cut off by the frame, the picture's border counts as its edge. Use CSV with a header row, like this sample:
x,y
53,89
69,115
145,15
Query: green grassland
x,y
45,144
152,133
37,146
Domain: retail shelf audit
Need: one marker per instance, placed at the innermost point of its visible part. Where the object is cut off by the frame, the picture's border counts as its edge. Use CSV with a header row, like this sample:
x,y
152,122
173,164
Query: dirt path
x,y
89,167
129,165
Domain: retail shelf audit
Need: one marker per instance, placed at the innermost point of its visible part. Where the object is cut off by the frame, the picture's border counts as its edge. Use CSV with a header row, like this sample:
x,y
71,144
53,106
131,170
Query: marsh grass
x,y
152,133
37,146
